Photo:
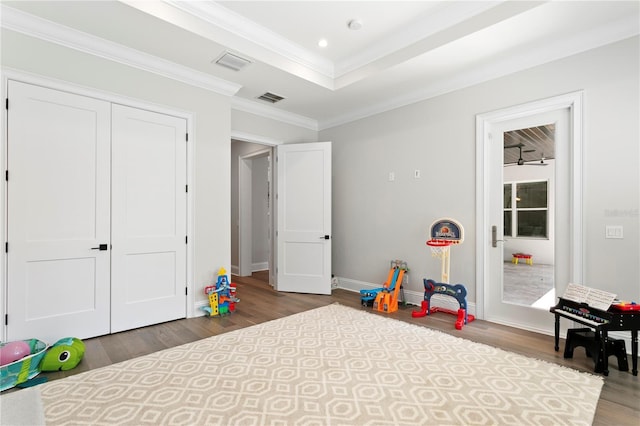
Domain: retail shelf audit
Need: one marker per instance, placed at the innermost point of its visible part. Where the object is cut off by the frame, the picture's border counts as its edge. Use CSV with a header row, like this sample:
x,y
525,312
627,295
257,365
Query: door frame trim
x,y
574,102
7,74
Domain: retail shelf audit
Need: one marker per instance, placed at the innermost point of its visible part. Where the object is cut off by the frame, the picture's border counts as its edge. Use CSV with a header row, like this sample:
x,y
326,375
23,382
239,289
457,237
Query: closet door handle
x,y
101,247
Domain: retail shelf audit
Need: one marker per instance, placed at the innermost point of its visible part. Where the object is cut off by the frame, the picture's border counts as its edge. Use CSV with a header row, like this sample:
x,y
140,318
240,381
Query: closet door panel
x,y
58,151
149,218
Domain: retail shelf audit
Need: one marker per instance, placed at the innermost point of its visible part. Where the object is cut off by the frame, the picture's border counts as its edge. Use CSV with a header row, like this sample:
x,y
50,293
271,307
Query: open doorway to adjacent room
x,y
251,210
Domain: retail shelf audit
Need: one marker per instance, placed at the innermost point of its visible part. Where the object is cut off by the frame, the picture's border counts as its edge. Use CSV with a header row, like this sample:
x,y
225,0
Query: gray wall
x,y
376,220
277,132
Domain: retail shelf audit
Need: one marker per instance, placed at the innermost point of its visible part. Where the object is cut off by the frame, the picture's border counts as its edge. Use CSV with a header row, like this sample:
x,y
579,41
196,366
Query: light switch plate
x,y
613,231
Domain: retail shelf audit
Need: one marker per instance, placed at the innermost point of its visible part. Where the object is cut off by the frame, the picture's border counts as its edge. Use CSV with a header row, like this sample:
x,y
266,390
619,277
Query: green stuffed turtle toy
x,y
63,355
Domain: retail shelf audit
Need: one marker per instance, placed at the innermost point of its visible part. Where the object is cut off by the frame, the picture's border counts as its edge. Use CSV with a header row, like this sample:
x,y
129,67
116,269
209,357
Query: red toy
x,y
458,292
626,306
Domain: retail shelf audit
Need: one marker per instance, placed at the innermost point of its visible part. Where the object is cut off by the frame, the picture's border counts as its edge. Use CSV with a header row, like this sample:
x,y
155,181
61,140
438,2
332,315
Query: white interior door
x,y
497,309
58,210
149,209
304,218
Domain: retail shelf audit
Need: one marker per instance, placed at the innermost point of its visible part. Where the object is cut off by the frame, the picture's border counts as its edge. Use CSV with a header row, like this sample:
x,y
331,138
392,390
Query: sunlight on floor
x,y
546,301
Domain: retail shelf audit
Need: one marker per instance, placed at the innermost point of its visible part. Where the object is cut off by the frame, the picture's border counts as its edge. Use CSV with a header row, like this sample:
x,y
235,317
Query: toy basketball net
x,y
445,233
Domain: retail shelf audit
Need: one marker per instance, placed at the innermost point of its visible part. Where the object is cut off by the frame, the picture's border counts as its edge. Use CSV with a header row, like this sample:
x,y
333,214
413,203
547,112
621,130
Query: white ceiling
x,y
404,52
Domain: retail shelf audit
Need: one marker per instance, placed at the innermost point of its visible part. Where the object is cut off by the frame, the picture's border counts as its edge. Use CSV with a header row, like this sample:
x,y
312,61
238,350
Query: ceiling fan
x,y
521,161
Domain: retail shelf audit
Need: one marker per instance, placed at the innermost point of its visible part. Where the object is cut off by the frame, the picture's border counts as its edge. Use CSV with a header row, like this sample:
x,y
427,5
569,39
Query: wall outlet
x,y
613,231
392,176
334,282
416,174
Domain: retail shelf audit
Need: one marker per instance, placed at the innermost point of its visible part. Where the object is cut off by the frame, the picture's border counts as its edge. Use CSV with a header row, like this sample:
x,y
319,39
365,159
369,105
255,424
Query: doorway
x,y
252,209
300,213
558,224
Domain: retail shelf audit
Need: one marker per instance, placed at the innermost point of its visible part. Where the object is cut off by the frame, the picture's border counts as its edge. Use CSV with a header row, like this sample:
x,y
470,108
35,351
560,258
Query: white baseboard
x,y
255,267
260,266
198,312
412,297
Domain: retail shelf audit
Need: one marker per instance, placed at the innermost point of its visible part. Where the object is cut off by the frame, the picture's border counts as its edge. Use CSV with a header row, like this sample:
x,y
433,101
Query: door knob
x,y
101,247
494,236
326,237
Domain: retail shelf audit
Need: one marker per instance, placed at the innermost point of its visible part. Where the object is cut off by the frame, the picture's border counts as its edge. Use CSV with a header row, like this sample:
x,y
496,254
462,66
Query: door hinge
x,y
186,188
186,291
186,137
6,319
186,239
6,103
6,175
6,247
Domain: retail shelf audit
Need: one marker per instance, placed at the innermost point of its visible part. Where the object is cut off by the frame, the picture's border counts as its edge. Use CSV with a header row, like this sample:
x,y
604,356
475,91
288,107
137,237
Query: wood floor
x,y
619,402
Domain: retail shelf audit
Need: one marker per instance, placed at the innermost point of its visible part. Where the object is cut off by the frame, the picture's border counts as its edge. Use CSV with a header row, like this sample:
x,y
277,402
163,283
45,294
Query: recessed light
x,y
323,42
354,24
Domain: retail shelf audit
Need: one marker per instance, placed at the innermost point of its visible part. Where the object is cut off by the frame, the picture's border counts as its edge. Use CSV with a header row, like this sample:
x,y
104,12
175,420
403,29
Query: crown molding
x,y
306,64
617,31
242,27
42,29
454,13
241,104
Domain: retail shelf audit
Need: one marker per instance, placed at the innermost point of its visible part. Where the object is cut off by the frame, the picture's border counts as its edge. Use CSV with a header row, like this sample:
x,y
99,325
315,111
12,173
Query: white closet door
x,y
58,211
148,218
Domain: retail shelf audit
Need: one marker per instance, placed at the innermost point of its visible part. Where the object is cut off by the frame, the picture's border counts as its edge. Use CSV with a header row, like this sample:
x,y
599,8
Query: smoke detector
x,y
354,24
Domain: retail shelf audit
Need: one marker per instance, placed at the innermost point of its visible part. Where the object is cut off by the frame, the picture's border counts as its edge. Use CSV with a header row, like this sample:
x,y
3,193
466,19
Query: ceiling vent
x,y
270,97
232,61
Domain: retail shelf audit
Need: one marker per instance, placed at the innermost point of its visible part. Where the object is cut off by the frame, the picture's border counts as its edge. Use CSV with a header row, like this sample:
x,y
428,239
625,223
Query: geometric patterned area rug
x,y
333,365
